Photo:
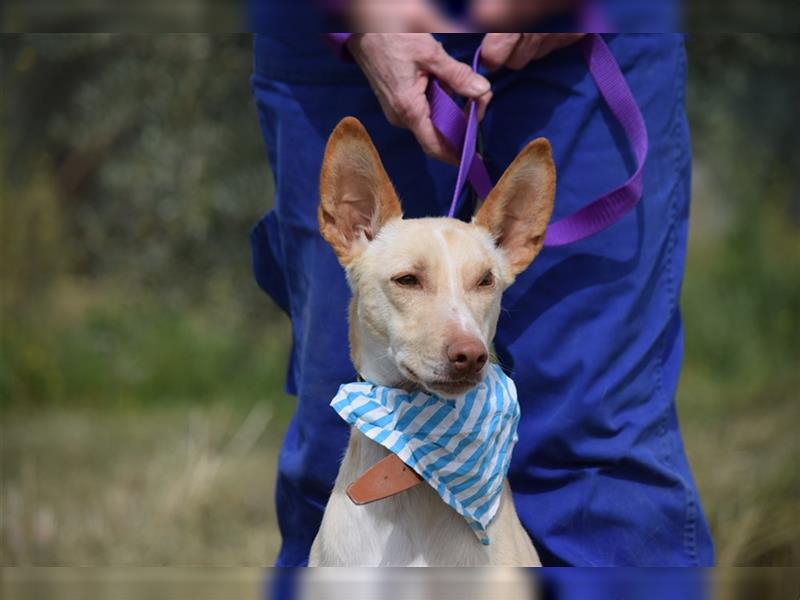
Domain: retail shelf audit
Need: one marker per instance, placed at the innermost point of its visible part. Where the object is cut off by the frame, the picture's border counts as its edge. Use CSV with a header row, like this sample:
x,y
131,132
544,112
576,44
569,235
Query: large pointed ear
x,y
356,196
517,210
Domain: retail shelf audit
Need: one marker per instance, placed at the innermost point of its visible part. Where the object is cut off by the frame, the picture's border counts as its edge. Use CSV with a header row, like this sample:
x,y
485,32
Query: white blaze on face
x,y
456,301
399,329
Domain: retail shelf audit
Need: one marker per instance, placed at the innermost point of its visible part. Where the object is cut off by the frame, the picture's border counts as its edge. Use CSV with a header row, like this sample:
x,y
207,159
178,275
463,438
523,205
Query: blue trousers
x,y
591,332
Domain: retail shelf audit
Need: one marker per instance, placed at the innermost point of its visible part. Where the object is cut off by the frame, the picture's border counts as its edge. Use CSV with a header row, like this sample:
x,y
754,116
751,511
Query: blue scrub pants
x,y
591,333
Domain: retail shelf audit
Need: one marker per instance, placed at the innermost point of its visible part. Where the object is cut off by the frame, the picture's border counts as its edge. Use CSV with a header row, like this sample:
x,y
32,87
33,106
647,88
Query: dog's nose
x,y
467,356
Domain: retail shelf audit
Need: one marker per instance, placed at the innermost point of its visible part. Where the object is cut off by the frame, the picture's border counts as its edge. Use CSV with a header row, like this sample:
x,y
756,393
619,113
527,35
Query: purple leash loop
x,y
601,212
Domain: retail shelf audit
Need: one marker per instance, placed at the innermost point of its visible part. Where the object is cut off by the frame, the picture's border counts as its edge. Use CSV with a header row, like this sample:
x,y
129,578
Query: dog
x,y
425,302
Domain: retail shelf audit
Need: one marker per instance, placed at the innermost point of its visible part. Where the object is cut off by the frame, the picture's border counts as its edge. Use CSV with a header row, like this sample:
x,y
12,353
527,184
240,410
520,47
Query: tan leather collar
x,y
387,477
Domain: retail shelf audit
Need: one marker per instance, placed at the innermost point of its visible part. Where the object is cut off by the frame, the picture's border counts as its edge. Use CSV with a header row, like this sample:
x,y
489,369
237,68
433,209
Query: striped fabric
x,y
460,445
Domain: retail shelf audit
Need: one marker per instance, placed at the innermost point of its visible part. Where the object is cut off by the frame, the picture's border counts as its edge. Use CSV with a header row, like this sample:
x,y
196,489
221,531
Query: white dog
x,y
426,298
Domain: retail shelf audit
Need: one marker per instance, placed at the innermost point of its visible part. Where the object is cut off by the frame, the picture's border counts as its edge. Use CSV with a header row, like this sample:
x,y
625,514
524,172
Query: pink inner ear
x,y
520,229
521,246
355,192
355,213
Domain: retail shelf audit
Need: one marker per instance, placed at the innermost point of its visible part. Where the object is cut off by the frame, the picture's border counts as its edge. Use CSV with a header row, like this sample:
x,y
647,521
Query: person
x,y
591,333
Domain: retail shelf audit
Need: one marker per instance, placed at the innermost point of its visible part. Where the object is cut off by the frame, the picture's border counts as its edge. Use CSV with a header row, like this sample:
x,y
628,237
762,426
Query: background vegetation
x,y
141,370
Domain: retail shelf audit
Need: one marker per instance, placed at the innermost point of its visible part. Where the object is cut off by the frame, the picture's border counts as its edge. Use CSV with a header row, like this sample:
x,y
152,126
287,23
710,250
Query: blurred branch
x,y
82,163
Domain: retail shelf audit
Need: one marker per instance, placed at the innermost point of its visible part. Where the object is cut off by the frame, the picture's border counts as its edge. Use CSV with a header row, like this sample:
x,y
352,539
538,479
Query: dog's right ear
x,y
356,196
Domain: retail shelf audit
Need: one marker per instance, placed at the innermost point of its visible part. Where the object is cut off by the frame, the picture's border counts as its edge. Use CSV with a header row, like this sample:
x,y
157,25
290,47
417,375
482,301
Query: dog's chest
x,y
414,528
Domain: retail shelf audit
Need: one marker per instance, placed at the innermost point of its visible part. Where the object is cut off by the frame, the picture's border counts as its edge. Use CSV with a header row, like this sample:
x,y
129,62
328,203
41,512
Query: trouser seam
x,y
690,508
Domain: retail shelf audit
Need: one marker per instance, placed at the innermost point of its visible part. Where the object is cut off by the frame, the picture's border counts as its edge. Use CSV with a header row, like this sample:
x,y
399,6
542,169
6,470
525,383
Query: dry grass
x,y
747,467
177,486
194,485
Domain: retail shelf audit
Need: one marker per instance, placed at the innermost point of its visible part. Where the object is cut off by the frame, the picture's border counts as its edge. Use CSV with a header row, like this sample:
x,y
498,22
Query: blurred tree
x,y
742,103
742,297
152,148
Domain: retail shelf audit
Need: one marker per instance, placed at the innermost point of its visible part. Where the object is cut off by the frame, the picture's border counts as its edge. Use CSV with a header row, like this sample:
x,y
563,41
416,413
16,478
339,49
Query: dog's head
x,y
426,292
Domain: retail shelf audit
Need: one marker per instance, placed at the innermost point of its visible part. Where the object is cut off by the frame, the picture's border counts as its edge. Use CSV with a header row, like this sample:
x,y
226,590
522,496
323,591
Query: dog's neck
x,y
371,356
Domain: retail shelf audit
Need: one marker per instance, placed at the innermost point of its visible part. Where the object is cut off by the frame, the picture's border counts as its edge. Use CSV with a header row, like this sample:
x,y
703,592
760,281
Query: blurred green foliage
x,y
738,399
741,296
132,169
151,147
214,16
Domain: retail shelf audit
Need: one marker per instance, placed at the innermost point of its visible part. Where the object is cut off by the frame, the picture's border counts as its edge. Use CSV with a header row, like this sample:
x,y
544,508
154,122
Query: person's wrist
x,y
353,43
358,46
357,41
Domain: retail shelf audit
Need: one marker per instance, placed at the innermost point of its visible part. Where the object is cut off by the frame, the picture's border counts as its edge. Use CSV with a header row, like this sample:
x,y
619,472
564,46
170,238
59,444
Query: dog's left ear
x,y
356,196
517,210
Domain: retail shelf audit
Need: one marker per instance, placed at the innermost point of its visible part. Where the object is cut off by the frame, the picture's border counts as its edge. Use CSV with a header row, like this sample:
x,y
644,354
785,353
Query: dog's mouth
x,y
440,386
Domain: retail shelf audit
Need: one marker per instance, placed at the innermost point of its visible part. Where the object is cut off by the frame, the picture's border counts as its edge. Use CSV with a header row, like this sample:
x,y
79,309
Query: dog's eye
x,y
487,280
406,280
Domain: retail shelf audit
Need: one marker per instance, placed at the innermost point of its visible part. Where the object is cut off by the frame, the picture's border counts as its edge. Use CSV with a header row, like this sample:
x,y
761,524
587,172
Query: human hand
x,y
516,50
398,68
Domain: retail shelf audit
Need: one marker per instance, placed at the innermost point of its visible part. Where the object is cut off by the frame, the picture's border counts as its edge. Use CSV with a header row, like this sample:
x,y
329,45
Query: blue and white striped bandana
x,y
460,445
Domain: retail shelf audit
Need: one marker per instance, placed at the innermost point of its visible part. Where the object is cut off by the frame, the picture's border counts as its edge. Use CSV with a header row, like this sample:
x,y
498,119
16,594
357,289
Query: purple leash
x,y
606,210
